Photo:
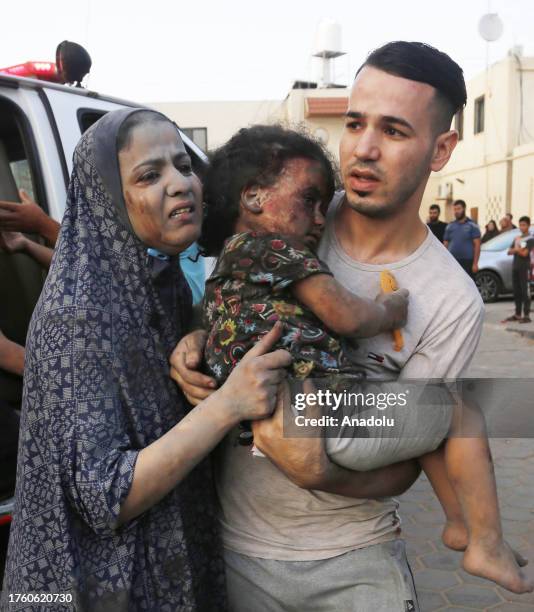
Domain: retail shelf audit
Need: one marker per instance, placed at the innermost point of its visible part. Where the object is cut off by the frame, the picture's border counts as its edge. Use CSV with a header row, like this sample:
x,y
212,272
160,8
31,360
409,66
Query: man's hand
x,y
303,460
185,362
476,254
27,217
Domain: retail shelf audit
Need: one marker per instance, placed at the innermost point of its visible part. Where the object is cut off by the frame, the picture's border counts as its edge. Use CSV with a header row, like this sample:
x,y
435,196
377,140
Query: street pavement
x,y
505,351
441,583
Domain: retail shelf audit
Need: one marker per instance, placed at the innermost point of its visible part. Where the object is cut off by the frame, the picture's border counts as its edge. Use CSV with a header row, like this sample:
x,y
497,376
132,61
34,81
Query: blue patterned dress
x,y
96,392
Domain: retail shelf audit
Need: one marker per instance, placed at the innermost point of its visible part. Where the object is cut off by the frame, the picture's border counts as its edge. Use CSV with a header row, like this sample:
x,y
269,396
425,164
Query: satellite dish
x,y
73,62
490,27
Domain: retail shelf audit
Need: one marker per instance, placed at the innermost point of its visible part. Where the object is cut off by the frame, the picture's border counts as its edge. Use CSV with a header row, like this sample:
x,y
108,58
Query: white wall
x,y
222,119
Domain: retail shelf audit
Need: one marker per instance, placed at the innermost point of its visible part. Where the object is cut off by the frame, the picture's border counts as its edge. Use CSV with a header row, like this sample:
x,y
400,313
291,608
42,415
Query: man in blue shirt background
x,y
462,238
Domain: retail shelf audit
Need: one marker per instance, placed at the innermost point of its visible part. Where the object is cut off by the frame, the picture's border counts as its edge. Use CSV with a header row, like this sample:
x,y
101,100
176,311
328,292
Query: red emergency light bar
x,y
45,71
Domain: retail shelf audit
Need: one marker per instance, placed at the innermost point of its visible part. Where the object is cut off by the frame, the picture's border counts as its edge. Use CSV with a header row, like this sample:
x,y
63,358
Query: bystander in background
x,y
506,223
510,217
520,249
491,231
436,226
462,238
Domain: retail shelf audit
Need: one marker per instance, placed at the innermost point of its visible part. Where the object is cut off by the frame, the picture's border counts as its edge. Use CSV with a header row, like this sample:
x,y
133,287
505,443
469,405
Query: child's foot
x,y
499,563
455,535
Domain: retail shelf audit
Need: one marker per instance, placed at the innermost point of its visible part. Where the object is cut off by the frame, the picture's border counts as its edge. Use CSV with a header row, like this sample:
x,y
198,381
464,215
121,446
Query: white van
x,y
40,125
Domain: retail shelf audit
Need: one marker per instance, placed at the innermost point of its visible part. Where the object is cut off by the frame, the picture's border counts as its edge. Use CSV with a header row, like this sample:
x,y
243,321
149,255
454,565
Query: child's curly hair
x,y
253,156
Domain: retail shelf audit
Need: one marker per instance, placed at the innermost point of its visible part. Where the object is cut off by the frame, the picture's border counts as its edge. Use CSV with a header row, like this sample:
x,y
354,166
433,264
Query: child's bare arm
x,y
348,314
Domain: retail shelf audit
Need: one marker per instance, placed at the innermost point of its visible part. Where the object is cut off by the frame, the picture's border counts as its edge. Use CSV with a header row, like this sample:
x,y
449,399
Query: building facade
x,y
492,168
211,124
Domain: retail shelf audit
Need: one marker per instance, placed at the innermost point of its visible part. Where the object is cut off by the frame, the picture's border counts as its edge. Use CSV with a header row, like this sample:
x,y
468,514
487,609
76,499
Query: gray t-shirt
x,y
263,514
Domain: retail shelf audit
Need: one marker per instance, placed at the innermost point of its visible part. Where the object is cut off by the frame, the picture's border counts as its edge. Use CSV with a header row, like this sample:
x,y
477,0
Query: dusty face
x,y
459,212
387,143
295,205
433,215
163,196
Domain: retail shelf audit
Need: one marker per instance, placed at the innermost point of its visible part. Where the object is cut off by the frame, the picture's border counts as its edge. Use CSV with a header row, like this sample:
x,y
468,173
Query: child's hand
x,y
396,305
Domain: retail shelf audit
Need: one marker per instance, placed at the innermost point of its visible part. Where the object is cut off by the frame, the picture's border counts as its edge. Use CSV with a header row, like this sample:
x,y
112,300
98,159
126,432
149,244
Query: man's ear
x,y
251,199
443,148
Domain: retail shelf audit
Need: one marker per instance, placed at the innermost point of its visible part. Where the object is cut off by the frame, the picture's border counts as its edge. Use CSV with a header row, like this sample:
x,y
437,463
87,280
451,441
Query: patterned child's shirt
x,y
250,289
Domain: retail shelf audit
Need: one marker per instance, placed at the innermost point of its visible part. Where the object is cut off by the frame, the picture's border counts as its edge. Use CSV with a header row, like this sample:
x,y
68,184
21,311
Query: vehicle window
x,y
21,278
86,118
22,175
500,242
198,135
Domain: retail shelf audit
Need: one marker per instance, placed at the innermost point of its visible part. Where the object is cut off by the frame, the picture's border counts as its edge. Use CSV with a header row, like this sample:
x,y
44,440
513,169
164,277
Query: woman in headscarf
x,y
491,231
114,503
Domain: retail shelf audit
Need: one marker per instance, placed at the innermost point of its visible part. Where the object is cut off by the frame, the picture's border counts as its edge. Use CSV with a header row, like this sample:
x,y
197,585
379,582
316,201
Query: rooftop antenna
x,y
327,47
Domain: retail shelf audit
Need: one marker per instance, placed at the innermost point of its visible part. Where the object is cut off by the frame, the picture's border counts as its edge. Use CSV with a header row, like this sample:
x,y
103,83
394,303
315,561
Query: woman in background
x,y
491,231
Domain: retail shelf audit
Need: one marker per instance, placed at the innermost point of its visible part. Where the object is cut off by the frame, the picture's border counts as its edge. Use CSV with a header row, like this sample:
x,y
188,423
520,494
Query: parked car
x,y
40,125
494,276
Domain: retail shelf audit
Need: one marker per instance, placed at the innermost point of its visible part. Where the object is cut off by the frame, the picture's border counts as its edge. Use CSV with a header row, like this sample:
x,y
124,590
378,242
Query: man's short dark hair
x,y
509,215
435,207
420,62
524,219
460,203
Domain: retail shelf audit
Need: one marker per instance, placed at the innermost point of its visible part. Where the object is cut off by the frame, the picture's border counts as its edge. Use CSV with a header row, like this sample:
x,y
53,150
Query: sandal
x,y
525,320
510,319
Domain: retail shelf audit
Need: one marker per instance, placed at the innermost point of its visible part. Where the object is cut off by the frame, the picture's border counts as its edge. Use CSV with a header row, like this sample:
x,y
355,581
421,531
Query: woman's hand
x,y
250,391
185,361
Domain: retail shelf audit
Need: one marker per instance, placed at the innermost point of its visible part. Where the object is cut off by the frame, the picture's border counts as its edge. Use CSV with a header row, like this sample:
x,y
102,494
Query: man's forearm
x,y
50,230
383,482
476,254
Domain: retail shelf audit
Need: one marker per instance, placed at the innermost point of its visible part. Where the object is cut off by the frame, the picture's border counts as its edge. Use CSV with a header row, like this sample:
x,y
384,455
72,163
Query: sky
x,y
156,50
